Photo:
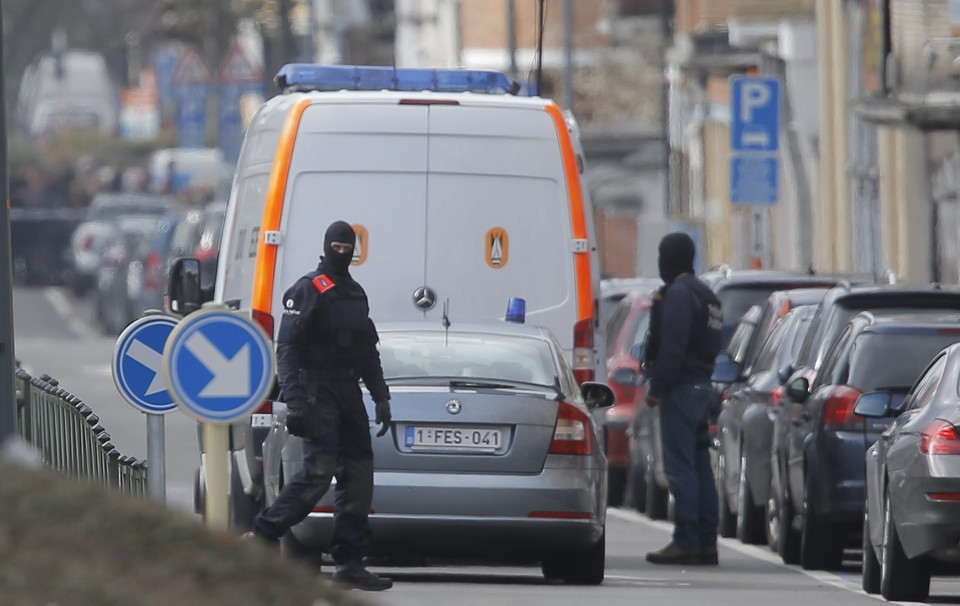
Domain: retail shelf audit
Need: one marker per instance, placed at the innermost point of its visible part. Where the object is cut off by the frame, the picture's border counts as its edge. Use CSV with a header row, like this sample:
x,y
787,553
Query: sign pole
x,y
216,443
8,409
156,455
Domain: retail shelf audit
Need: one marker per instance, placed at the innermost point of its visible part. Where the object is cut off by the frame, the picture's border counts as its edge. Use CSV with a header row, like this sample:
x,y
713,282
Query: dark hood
x,y
676,256
339,231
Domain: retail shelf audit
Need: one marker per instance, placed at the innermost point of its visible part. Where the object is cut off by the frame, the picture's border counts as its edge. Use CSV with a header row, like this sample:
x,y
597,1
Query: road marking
x,y
757,552
68,312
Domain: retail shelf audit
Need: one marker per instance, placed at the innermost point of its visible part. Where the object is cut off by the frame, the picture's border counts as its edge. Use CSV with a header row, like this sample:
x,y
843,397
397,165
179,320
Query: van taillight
x,y
265,321
572,432
583,363
838,414
939,438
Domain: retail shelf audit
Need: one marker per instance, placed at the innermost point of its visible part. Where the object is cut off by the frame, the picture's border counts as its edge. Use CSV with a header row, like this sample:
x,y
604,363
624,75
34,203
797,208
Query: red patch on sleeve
x,y
322,283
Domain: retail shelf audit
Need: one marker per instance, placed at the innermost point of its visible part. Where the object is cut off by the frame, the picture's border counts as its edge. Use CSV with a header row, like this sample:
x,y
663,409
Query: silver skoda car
x,y
493,455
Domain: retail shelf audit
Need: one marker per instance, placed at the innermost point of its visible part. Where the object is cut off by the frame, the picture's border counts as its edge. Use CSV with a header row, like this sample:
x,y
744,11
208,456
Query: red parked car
x,y
625,335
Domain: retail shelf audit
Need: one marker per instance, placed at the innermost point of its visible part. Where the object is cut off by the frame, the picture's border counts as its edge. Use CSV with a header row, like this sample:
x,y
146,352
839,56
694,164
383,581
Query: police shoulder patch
x,y
322,283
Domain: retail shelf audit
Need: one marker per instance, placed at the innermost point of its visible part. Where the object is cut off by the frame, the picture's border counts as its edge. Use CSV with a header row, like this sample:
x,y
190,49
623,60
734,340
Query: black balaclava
x,y
339,231
676,256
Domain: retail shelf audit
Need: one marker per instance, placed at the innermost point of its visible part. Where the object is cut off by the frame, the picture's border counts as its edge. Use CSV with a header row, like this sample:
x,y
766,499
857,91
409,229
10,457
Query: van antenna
x,y
541,19
445,320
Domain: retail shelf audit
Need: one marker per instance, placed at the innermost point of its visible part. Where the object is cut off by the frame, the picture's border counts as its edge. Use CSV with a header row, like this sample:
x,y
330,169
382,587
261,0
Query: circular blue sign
x,y
219,365
138,364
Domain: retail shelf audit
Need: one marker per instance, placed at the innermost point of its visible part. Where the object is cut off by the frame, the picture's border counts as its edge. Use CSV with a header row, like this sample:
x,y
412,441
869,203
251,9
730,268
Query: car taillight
x,y
265,320
583,366
572,432
153,268
838,414
775,396
940,438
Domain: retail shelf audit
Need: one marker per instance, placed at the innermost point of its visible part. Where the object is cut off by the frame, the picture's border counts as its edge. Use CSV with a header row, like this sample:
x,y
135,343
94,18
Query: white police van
x,y
458,190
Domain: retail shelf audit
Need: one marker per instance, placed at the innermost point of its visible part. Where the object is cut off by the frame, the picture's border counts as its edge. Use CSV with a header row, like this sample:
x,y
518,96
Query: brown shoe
x,y
675,554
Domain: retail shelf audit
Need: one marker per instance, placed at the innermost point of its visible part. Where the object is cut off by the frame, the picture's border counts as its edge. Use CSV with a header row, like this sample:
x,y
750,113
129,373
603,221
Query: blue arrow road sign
x,y
219,365
755,114
137,364
192,114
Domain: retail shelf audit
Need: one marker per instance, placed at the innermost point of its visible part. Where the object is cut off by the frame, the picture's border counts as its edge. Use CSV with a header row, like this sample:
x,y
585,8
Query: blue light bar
x,y
311,77
516,310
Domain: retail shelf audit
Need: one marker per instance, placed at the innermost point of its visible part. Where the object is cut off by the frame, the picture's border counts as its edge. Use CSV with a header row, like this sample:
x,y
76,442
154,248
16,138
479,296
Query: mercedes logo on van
x,y
424,298
454,406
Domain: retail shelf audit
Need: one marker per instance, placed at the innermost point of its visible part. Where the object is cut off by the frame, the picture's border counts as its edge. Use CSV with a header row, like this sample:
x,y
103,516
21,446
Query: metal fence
x,y
69,437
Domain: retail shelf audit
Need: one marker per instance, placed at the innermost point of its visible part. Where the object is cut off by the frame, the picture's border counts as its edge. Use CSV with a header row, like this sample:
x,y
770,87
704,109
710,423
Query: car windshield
x,y
894,361
467,356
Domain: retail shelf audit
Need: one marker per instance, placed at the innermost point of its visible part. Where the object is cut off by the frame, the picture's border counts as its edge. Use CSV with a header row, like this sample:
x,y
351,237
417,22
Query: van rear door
x,y
364,163
498,221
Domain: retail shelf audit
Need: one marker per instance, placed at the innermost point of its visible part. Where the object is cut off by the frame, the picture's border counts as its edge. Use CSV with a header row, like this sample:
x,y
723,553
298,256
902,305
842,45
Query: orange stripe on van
x,y
273,210
577,212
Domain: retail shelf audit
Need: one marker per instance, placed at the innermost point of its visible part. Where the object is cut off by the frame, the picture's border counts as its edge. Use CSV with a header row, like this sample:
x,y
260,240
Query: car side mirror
x,y
725,369
597,395
799,390
638,351
875,404
183,286
784,373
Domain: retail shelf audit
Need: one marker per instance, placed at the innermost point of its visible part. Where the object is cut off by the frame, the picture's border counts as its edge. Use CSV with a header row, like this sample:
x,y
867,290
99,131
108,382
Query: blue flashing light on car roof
x,y
516,310
311,77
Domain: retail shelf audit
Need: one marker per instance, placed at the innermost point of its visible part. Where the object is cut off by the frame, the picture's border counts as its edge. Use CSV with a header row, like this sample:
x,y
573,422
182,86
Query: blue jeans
x,y
686,462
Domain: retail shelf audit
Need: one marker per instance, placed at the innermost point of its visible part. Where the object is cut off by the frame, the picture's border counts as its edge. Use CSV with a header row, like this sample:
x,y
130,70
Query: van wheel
x,y
243,507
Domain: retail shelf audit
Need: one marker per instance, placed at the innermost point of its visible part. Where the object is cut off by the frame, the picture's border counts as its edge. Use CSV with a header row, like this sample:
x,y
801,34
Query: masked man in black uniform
x,y
326,344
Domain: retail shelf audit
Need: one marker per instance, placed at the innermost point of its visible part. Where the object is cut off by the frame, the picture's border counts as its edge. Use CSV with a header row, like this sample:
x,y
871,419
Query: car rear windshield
x,y
469,356
737,299
893,361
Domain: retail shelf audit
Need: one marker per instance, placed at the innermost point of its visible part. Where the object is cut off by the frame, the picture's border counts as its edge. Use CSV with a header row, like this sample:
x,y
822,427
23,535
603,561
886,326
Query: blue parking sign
x,y
219,365
755,114
137,364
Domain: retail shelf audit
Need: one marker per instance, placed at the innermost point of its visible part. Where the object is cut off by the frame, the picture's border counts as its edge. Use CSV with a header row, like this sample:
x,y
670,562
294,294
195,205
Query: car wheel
x,y
788,539
749,516
772,518
821,544
870,577
586,568
727,526
635,492
657,497
616,484
901,579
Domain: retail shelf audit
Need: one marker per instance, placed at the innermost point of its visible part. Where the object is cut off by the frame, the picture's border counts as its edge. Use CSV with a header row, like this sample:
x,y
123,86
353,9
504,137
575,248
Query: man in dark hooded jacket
x,y
326,344
684,340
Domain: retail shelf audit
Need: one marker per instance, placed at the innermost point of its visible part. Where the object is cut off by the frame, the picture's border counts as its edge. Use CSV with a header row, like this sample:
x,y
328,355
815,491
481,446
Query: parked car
x,y
827,440
526,481
838,306
626,332
613,290
89,238
911,528
120,277
157,263
743,425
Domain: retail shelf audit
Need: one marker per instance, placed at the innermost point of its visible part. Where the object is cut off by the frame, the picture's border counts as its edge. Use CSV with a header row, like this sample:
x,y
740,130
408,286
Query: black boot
x,y
354,575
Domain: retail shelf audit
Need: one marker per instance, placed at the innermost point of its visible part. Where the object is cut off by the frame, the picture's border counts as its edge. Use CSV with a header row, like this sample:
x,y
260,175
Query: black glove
x,y
383,416
298,418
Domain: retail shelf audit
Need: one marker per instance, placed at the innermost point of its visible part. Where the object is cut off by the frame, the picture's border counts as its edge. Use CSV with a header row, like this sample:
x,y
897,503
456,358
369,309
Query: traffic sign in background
x,y
191,82
754,140
238,76
137,364
219,365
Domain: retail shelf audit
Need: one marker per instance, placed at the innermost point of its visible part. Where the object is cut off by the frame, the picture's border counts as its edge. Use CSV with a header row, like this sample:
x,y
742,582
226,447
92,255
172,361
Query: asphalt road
x,y
54,334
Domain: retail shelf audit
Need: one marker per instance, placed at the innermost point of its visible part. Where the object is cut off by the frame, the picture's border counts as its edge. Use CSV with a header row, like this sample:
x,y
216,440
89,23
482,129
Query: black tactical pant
x,y
341,448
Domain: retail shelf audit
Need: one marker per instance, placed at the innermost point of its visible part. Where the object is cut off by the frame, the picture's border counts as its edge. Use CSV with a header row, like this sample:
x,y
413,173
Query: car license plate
x,y
454,438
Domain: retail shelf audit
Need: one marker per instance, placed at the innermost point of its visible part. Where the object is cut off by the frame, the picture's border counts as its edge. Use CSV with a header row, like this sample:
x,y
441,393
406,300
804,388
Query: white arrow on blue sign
x,y
219,365
137,364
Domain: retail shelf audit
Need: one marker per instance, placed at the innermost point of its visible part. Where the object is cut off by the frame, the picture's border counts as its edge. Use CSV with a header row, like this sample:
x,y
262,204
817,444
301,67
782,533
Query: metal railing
x,y
68,435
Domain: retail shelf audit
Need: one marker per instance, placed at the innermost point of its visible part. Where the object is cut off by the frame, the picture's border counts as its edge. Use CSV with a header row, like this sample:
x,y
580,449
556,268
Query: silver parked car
x,y
493,455
912,523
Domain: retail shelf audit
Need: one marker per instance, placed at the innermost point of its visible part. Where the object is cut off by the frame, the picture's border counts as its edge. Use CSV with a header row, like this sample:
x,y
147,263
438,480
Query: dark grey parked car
x,y
827,439
493,454
912,524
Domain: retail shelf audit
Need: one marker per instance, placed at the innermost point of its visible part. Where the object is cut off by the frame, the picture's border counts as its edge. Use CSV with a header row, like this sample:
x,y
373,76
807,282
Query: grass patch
x,y
64,542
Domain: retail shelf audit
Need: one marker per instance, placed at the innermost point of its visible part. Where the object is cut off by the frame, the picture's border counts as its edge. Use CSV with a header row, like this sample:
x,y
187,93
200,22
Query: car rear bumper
x,y
835,474
498,516
925,525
